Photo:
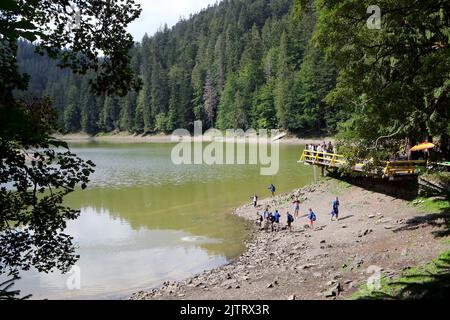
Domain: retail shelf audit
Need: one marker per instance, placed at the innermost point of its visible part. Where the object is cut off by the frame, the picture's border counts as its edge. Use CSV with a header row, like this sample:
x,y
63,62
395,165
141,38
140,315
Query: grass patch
x,y
430,281
431,205
338,187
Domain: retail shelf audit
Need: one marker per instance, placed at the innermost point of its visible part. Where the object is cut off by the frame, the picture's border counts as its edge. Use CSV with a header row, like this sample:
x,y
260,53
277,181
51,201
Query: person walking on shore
x,y
335,209
255,201
312,218
266,216
272,189
277,217
290,219
296,203
272,221
259,220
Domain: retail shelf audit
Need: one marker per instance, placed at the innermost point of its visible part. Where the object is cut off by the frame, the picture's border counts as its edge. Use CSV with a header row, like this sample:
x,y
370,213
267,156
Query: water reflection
x,y
145,220
116,256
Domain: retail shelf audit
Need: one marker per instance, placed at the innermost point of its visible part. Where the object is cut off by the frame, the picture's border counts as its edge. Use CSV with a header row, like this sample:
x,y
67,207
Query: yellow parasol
x,y
423,146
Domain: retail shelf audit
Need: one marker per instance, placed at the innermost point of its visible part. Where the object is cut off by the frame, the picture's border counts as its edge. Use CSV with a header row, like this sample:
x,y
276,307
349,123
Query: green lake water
x,y
145,220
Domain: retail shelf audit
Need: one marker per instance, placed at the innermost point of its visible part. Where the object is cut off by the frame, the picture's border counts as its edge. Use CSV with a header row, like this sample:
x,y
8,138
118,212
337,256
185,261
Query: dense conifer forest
x,y
237,64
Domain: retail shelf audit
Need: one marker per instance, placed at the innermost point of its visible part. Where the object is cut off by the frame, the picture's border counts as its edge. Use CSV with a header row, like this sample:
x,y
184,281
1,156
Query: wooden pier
x,y
389,169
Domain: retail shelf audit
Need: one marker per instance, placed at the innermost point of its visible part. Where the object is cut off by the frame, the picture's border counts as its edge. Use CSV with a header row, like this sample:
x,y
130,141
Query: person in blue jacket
x,y
277,217
272,189
335,209
312,217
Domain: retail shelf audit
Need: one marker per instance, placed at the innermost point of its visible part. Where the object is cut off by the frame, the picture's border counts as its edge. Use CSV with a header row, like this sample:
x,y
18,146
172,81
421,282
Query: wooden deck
x,y
390,169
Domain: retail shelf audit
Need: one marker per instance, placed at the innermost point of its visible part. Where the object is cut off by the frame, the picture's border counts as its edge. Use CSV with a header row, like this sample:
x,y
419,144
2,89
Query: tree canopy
x,y
393,81
36,170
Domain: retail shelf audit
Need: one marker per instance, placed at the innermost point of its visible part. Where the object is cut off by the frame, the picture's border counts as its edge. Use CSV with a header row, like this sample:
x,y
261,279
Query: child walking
x,y
290,219
335,212
312,218
296,207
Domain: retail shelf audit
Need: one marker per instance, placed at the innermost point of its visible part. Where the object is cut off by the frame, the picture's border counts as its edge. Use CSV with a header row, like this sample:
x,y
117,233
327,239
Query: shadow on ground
x,y
407,189
431,281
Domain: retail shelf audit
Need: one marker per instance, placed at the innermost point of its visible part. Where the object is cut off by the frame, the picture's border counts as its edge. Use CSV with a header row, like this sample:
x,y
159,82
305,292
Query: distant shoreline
x,y
124,137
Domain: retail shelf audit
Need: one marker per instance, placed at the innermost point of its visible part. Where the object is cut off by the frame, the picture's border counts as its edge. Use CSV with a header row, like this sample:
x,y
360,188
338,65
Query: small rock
x,y
292,297
228,282
317,275
323,241
371,216
270,285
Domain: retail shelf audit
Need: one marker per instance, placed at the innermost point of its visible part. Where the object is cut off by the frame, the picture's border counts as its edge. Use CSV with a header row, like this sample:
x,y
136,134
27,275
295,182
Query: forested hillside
x,y
238,64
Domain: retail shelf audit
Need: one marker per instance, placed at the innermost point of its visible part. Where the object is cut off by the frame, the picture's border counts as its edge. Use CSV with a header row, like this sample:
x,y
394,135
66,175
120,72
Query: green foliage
x,y
7,294
36,170
432,205
237,64
39,172
393,81
161,122
430,281
76,47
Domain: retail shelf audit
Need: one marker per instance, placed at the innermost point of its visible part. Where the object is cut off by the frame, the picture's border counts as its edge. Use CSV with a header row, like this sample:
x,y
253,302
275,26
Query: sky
x,y
155,13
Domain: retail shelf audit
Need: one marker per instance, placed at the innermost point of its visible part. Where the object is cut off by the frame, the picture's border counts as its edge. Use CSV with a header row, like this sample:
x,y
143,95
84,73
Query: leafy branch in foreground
x,y
36,170
7,294
34,179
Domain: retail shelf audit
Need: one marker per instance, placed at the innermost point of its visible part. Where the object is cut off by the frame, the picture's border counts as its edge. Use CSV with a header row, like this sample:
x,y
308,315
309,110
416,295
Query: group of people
x,y
271,220
323,147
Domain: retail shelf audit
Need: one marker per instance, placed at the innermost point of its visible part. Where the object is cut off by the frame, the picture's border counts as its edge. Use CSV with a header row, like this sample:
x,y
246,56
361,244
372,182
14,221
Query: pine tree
x,y
72,111
209,100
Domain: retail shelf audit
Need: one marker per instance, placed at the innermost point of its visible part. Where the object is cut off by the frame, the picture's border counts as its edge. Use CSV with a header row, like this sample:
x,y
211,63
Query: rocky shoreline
x,y
327,262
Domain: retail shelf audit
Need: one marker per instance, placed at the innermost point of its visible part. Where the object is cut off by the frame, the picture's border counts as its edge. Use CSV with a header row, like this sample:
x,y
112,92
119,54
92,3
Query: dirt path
x,y
329,262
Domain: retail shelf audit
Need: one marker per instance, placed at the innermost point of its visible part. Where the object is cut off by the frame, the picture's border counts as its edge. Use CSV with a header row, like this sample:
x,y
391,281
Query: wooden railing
x,y
324,158
403,167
